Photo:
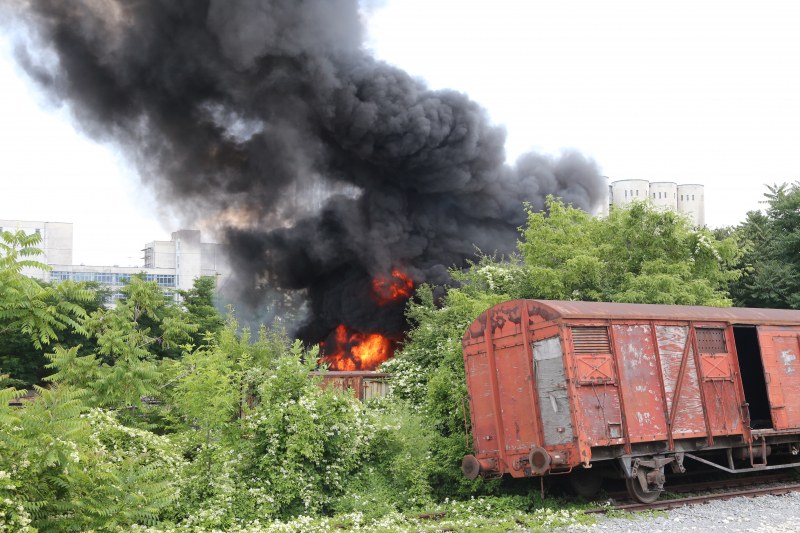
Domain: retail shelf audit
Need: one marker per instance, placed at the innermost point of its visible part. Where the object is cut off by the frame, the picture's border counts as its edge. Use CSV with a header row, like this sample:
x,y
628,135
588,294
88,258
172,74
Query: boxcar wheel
x,y
585,483
638,493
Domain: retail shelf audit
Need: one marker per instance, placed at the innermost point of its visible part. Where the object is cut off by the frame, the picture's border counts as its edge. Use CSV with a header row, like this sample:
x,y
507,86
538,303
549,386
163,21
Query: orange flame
x,y
351,350
386,290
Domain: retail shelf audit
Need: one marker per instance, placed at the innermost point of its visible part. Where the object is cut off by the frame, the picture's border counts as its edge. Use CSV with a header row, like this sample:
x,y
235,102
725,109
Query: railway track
x,y
661,505
717,484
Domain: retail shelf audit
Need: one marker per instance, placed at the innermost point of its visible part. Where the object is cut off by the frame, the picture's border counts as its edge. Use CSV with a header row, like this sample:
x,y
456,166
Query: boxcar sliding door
x,y
780,352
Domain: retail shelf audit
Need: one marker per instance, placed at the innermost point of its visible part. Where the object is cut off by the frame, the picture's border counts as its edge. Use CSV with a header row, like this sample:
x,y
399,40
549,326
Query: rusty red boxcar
x,y
590,388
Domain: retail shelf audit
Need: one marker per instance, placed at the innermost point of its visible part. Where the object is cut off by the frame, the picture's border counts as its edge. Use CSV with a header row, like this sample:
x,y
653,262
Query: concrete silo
x,y
664,194
624,192
691,202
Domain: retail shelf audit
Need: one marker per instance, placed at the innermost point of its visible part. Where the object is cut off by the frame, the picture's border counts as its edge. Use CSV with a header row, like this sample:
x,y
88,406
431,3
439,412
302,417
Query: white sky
x,y
686,91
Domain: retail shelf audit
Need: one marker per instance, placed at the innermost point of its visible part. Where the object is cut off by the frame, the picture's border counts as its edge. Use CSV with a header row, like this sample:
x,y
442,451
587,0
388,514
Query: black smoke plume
x,y
322,166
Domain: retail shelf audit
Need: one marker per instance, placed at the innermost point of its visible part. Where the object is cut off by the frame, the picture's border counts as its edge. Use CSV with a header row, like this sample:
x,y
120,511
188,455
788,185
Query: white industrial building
x,y
173,264
686,199
56,242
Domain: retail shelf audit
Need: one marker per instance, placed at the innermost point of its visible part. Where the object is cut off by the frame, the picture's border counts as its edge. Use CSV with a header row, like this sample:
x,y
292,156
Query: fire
x,y
347,350
352,350
386,290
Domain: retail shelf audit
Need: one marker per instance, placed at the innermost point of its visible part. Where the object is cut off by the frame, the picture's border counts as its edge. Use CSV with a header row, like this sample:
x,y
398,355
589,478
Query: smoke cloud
x,y
322,166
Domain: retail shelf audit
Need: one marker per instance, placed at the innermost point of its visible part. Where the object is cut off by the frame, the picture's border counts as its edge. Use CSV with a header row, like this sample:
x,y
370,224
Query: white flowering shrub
x,y
66,467
13,516
292,452
307,440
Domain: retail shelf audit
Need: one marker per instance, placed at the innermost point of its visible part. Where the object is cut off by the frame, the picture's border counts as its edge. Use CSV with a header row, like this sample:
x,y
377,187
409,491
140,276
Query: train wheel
x,y
639,494
585,483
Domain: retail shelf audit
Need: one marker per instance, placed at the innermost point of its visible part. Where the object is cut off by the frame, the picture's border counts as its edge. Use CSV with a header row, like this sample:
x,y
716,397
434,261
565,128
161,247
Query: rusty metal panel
x,y
514,382
639,382
780,352
364,384
719,388
599,413
686,410
715,366
596,393
551,387
376,388
594,369
479,385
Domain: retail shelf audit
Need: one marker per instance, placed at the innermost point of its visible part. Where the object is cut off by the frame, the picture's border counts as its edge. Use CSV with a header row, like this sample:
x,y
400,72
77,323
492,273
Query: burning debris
x,y
326,170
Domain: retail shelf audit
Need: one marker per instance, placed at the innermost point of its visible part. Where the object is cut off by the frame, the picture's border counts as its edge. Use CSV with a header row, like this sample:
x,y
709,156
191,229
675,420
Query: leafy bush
x,y
74,468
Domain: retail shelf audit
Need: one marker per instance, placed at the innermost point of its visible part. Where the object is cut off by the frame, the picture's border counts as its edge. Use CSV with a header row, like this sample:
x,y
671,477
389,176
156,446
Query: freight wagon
x,y
596,389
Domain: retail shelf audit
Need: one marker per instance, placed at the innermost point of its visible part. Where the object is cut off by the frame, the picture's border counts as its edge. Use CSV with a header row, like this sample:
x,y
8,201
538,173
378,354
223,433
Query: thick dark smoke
x,y
323,166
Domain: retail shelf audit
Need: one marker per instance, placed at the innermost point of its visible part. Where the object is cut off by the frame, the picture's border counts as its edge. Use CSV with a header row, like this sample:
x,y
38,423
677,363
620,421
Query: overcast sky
x,y
691,92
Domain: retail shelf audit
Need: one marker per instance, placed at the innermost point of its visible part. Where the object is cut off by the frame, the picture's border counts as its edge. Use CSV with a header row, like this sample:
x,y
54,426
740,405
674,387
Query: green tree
x,y
33,315
27,363
637,255
770,241
37,310
199,304
130,338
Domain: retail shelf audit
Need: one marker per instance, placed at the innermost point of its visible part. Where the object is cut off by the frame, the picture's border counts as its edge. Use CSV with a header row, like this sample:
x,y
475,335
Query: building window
x,y
637,192
59,276
693,197
105,278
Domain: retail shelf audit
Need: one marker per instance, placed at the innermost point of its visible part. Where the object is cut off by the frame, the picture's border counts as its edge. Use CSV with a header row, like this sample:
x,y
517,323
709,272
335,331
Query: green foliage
x,y
498,514
292,452
308,441
199,304
71,468
129,340
771,245
637,255
33,315
21,359
36,310
393,477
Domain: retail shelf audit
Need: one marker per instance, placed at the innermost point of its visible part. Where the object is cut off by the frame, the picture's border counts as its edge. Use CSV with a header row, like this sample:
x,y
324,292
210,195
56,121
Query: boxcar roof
x,y
552,309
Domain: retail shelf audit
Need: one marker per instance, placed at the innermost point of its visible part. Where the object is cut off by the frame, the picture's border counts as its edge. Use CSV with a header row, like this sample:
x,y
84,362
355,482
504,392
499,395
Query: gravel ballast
x,y
763,514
